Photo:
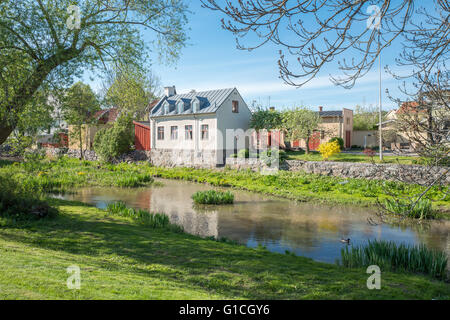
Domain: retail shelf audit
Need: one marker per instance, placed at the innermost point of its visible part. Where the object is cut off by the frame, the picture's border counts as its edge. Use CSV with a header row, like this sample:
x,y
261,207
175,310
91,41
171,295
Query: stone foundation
x,y
184,158
405,173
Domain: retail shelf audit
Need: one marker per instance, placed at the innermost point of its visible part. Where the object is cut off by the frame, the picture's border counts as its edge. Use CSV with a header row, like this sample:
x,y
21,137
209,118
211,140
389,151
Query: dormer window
x,y
195,106
180,107
166,108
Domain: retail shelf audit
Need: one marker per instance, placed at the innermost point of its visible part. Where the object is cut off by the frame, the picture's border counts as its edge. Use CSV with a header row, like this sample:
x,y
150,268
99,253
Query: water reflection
x,y
307,229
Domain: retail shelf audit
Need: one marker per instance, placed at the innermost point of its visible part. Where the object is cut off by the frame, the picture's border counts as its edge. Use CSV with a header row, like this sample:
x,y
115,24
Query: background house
x,y
103,118
191,129
334,124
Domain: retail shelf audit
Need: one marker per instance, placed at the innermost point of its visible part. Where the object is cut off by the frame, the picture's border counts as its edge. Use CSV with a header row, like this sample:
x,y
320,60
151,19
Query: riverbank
x,y
122,260
66,174
301,186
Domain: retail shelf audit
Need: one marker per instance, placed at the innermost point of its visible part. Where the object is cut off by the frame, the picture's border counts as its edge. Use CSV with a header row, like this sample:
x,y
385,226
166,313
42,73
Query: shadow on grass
x,y
191,262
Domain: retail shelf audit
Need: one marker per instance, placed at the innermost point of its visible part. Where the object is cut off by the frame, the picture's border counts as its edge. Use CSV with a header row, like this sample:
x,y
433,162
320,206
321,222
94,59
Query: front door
x,y
348,139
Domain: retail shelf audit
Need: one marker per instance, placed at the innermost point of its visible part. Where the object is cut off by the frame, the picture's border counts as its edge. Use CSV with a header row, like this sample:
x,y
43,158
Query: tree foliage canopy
x,y
265,119
41,44
300,123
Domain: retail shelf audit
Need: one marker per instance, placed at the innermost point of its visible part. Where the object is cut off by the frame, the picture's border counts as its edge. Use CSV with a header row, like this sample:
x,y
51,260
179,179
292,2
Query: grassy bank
x,y
66,173
346,157
120,259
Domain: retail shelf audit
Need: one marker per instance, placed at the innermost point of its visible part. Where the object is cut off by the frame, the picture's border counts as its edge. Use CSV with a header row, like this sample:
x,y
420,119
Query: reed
x,y
423,209
213,197
392,257
153,220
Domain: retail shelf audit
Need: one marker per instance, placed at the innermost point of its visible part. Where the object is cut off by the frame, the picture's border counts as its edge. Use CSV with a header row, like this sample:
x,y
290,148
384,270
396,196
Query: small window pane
x,y
160,133
188,132
235,107
205,133
174,133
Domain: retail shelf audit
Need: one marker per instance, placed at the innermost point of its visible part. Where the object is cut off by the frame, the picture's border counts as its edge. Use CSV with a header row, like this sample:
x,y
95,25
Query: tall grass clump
x,y
392,257
213,197
152,220
423,209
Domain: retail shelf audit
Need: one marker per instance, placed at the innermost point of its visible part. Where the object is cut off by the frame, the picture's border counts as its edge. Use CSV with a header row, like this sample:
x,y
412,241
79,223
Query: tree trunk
x,y
80,130
307,145
25,93
5,131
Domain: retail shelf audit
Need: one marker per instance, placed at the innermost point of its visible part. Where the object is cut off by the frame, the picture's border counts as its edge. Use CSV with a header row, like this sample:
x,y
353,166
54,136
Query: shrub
x,y
369,152
270,155
110,143
389,256
213,197
22,201
329,149
244,153
340,141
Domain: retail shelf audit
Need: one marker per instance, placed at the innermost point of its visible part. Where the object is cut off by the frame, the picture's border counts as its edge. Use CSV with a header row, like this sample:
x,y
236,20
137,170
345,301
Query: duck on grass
x,y
213,197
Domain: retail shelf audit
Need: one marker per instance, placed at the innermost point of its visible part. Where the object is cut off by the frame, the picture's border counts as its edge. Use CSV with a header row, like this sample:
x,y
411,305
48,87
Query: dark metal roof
x,y
210,101
330,113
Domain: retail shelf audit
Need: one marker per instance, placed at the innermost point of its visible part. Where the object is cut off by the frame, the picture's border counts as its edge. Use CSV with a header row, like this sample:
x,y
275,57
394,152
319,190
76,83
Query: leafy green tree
x,y
300,123
130,89
46,43
366,118
78,106
265,119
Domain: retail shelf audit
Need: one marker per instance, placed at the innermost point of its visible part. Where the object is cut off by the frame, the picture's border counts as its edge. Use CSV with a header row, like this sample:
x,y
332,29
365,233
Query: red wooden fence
x,y
142,135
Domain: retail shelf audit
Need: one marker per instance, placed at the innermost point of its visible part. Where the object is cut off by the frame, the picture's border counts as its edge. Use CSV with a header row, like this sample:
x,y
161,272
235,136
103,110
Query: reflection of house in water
x,y
180,211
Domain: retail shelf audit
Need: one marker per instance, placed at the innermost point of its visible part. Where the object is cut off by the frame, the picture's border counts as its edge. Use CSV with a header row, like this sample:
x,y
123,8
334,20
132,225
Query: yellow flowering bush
x,y
328,149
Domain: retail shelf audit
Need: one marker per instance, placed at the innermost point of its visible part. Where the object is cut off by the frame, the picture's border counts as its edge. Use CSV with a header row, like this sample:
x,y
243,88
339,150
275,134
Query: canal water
x,y
306,229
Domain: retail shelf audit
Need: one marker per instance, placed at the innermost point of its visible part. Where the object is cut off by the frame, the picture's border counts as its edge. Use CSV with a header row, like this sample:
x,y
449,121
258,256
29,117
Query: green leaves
x,y
110,143
265,119
300,123
39,49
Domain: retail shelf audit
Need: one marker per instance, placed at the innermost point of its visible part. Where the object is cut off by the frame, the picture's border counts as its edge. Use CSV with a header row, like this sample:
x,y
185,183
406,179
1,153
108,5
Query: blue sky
x,y
212,61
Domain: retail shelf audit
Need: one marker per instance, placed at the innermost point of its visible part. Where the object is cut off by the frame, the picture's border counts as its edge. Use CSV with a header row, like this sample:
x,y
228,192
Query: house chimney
x,y
170,91
320,109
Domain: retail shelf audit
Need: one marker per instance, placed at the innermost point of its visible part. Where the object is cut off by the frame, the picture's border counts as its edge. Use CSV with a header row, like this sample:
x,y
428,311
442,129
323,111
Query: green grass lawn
x,y
123,260
346,157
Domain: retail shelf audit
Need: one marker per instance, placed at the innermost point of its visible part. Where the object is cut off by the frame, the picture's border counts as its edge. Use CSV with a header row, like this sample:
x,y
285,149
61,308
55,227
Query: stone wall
x,y
405,173
133,156
183,158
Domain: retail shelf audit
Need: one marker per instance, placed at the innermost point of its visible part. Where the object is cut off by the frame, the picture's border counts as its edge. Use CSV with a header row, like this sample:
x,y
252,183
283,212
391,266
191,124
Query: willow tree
x,y
46,43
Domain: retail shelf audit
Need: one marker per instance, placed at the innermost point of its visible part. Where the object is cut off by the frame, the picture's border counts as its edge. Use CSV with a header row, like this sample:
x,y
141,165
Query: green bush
x,y
110,143
270,155
213,197
22,201
340,141
243,153
389,256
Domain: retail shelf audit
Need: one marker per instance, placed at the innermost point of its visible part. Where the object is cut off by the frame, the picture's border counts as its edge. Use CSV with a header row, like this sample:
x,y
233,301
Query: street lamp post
x,y
379,104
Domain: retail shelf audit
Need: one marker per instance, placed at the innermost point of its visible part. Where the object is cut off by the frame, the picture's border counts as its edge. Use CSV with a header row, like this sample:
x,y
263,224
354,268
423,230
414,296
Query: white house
x,y
191,129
